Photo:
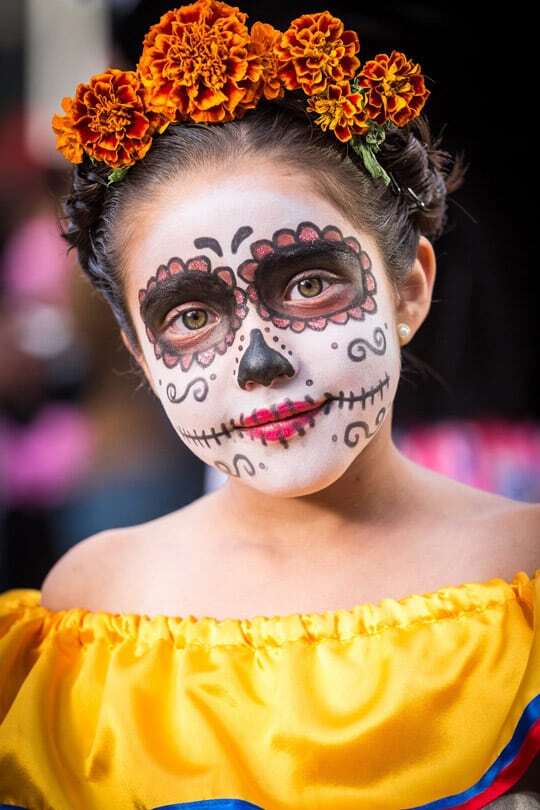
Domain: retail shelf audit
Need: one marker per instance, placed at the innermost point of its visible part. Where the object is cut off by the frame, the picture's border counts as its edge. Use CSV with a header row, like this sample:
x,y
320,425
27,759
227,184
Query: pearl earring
x,y
404,330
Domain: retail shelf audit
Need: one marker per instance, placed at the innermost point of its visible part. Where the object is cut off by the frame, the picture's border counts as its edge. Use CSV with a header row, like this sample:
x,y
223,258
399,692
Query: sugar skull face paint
x,y
174,345
308,246
279,365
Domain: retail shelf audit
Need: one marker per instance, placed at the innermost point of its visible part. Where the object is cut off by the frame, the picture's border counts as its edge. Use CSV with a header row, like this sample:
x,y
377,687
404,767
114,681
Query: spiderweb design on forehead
x,y
309,233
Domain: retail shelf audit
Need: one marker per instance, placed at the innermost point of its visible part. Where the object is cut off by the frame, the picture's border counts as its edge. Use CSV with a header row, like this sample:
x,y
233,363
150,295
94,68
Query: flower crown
x,y
200,63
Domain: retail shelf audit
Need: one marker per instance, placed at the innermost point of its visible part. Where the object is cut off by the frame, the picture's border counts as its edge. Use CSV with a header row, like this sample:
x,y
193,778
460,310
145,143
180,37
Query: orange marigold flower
x,y
110,119
67,139
396,88
264,38
197,62
315,52
340,111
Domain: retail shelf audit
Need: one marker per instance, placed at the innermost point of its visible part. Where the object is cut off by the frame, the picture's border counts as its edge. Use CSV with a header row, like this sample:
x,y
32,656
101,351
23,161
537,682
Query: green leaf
x,y
116,175
375,136
370,161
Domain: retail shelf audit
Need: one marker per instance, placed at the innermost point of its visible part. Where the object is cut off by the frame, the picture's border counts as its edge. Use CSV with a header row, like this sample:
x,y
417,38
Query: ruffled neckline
x,y
367,619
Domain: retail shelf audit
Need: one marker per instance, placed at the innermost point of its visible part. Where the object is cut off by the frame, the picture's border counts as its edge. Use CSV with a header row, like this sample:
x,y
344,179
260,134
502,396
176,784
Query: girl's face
x,y
267,327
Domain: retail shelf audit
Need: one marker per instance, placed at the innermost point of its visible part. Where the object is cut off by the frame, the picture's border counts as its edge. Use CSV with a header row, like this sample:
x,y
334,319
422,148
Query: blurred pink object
x,y
35,263
42,463
494,455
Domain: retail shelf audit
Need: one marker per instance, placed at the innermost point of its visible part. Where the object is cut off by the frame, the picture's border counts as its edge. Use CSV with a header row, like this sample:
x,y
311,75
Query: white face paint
x,y
254,298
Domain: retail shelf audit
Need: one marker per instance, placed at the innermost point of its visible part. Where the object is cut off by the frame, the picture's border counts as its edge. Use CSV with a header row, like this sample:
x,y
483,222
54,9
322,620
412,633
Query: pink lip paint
x,y
284,410
284,428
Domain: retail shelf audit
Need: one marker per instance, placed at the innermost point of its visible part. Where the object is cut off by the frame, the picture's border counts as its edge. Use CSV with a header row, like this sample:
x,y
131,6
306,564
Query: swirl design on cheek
x,y
195,274
200,394
357,347
307,233
352,442
237,460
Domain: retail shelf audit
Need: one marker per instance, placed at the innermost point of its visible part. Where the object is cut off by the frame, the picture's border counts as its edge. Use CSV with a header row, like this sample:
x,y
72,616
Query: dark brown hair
x,y
283,131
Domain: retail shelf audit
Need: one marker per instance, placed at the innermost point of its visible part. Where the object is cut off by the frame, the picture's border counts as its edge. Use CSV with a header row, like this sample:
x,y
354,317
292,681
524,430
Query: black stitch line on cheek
x,y
341,399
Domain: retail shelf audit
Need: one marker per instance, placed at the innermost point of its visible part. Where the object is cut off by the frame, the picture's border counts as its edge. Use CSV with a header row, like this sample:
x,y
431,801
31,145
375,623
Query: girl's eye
x,y
309,287
190,320
194,318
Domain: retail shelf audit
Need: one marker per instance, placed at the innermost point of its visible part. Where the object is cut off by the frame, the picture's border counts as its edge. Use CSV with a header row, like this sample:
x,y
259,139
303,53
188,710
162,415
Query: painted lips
x,y
281,421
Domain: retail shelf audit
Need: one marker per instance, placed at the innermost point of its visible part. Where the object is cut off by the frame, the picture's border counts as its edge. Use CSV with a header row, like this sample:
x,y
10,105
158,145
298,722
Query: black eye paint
x,y
181,282
346,266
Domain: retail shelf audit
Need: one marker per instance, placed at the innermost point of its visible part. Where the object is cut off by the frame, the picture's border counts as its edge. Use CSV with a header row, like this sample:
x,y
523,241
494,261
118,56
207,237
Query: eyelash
x,y
178,314
308,276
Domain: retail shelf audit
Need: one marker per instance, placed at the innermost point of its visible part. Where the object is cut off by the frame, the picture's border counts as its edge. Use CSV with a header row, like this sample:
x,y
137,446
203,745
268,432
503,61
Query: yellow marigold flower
x,y
67,139
396,88
315,52
110,119
197,62
340,111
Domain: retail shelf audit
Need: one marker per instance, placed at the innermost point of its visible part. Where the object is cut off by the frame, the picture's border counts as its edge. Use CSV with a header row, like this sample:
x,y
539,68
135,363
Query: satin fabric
x,y
430,701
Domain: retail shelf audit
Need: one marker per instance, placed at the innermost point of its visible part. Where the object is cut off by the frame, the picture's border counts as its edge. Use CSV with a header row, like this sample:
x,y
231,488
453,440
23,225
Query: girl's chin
x,y
290,477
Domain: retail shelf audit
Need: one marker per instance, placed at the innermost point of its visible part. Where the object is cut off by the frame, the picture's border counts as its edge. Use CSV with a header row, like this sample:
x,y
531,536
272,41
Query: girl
x,y
335,627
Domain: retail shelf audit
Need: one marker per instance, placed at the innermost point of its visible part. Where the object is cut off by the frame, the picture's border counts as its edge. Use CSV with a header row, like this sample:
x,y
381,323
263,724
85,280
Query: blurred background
x,y
72,410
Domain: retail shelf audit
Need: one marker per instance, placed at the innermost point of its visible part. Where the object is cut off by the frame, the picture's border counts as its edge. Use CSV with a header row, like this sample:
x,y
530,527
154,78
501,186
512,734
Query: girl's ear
x,y
415,291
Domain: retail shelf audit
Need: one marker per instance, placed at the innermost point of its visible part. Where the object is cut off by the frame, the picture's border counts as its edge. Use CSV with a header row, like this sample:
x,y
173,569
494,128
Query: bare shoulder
x,y
488,531
85,567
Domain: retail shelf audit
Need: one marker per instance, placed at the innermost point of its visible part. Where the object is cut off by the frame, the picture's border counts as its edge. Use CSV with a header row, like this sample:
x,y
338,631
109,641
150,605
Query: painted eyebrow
x,y
306,254
209,242
188,285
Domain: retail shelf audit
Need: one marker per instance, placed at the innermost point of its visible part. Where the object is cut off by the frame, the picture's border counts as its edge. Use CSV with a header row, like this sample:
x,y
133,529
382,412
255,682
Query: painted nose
x,y
260,363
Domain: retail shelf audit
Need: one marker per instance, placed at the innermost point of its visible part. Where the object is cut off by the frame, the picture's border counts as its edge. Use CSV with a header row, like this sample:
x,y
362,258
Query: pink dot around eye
x,y
318,323
246,271
142,295
284,238
175,266
239,296
162,273
308,233
205,358
282,323
261,249
369,304
357,313
370,282
199,263
170,360
186,360
332,234
339,317
298,326
353,243
365,260
226,275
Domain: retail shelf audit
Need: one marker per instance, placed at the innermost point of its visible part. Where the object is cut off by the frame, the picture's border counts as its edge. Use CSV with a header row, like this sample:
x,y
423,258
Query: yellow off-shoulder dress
x,y
430,701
